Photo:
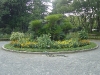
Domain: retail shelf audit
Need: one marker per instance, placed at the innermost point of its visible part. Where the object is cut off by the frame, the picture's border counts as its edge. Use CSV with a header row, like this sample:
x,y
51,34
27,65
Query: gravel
x,y
81,63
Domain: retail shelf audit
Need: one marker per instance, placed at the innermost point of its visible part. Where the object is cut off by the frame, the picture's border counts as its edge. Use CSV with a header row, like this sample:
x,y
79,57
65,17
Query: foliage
x,y
84,42
35,27
49,44
74,35
63,44
88,19
53,18
16,36
66,25
16,14
83,35
86,13
57,26
39,10
61,6
4,36
44,41
6,30
11,47
24,43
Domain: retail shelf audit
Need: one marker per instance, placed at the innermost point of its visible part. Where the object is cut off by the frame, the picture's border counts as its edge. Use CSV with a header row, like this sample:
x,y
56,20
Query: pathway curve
x,y
82,63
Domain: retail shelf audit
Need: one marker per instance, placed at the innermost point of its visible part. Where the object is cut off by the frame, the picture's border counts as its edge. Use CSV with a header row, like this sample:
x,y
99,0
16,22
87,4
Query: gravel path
x,y
82,63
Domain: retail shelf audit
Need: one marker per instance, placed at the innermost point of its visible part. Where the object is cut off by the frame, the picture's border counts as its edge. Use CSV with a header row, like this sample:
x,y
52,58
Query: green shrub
x,y
72,35
35,27
44,41
16,36
57,25
35,24
66,25
83,35
6,30
53,18
4,36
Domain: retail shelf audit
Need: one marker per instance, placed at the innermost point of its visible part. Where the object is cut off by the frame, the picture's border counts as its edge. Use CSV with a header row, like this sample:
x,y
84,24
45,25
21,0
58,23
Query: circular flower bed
x,y
44,43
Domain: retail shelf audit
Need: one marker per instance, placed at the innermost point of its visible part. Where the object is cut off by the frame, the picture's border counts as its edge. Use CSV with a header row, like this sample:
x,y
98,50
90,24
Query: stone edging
x,y
62,52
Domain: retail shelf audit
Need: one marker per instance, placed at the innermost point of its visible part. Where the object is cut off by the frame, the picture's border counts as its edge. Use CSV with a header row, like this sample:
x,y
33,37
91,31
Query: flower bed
x,y
55,44
44,43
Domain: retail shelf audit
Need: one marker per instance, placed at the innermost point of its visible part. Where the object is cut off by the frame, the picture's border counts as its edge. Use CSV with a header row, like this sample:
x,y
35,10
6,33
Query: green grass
x,y
9,46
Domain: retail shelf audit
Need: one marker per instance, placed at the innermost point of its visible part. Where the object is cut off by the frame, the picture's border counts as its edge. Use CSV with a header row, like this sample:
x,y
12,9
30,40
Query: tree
x,y
57,25
17,15
62,6
2,11
90,9
38,9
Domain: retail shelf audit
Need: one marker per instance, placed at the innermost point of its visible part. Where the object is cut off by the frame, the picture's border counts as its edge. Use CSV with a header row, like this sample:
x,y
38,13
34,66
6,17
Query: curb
x,y
62,52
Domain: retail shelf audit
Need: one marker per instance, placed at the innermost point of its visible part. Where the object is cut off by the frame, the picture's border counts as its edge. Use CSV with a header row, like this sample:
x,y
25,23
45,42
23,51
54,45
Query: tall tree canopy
x,y
16,14
88,10
62,6
39,9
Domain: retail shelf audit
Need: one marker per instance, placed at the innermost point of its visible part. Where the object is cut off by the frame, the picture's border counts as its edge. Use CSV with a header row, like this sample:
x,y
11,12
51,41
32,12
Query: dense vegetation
x,y
45,41
86,12
15,15
73,42
41,29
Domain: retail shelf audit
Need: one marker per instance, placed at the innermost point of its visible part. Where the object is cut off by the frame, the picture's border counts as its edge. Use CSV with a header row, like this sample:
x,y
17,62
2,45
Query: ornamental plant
x,y
24,43
16,36
83,35
57,25
63,44
84,42
44,41
35,28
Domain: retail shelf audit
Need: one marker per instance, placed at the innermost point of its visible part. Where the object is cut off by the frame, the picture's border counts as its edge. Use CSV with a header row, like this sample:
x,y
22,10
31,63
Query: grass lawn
x,y
9,46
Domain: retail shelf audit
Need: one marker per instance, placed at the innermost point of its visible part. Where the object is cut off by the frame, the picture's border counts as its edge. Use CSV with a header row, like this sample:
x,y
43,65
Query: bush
x,y
2,36
16,36
53,18
55,24
44,41
66,25
35,27
83,35
35,24
72,35
6,30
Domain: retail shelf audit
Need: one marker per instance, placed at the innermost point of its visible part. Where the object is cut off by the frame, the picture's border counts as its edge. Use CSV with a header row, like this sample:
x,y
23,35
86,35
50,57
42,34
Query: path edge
x,y
60,52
